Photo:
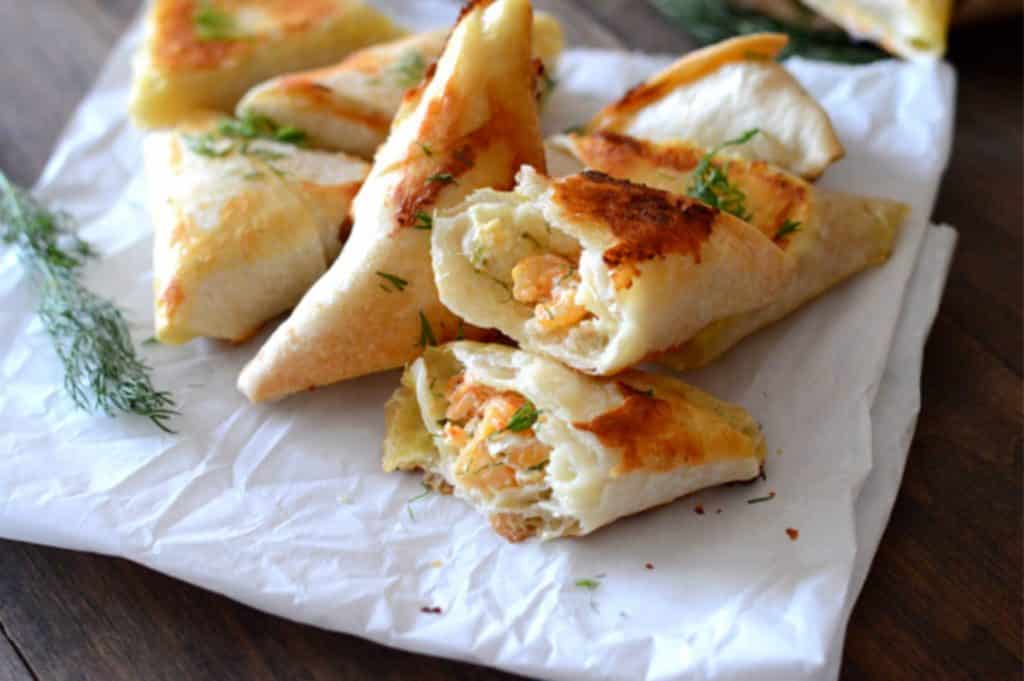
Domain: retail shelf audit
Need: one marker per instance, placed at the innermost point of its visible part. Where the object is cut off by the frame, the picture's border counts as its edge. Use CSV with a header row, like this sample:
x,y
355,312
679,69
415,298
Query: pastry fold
x,y
909,28
596,272
350,106
828,235
544,451
721,91
471,124
205,54
241,229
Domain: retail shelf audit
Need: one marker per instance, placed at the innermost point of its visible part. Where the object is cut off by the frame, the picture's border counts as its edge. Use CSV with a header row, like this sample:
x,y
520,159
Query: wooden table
x,y
943,600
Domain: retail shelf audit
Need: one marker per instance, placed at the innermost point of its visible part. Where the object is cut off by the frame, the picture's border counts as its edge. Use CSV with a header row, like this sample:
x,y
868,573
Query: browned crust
x,y
660,430
177,45
322,98
426,176
648,223
693,66
616,154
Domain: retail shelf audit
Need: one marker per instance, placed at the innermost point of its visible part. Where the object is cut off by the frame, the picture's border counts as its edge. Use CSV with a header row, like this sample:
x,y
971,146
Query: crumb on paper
x,y
793,534
699,509
778,452
717,511
431,610
649,566
436,564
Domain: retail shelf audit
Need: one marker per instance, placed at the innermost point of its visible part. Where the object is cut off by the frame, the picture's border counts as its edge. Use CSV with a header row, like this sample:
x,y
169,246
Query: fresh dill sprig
x,y
711,185
711,21
788,227
409,69
425,493
396,282
235,135
443,178
213,23
523,419
427,337
424,221
102,372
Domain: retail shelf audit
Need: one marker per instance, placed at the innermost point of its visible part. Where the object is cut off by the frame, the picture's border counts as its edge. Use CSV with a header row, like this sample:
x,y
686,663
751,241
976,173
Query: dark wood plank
x,y
12,667
943,598
80,616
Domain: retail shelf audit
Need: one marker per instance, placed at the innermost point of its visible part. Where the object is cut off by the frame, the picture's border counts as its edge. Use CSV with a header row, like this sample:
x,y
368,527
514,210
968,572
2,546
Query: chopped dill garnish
x,y
758,500
424,221
102,372
710,183
427,338
289,134
538,467
547,84
589,584
409,69
252,126
578,129
398,283
427,151
523,419
788,227
444,178
264,154
151,341
213,23
208,145
425,493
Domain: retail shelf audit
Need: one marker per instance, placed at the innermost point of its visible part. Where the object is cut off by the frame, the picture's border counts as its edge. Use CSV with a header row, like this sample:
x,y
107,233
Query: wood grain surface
x,y
943,600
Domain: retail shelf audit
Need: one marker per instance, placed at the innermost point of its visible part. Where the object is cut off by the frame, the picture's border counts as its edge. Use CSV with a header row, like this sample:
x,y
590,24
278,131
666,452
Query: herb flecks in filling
x,y
549,282
492,431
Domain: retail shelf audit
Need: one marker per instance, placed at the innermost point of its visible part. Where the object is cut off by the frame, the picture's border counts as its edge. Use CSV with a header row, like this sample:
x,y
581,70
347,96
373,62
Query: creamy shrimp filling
x,y
549,282
496,454
538,266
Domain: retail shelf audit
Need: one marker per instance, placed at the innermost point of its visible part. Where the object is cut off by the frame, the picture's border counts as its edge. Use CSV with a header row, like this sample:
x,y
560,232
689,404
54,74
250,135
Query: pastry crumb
x,y
793,533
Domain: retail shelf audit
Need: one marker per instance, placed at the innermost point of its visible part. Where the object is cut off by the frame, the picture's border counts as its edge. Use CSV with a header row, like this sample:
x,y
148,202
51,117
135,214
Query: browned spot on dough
x,y
321,98
176,41
172,297
648,223
616,154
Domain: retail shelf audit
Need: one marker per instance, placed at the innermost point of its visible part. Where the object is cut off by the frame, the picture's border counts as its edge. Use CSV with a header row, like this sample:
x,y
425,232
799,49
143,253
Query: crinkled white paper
x,y
285,507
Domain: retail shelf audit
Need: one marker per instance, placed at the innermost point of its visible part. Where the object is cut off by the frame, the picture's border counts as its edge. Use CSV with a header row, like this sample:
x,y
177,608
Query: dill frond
x,y
102,372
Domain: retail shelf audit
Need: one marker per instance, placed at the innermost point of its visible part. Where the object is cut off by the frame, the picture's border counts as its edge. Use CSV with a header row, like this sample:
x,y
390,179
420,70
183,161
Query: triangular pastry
x,y
242,227
350,106
719,92
471,124
205,54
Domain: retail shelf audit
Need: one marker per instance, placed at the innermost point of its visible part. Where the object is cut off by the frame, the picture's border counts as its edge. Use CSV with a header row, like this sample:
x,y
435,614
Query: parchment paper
x,y
285,508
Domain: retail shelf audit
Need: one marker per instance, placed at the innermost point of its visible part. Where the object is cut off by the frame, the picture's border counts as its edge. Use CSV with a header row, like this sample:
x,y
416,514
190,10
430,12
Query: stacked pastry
x,y
681,219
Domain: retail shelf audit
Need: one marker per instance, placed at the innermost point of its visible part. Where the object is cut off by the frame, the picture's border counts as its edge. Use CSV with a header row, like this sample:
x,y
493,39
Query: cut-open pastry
x,y
243,227
598,272
470,124
544,451
829,235
205,54
721,91
350,106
